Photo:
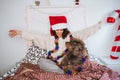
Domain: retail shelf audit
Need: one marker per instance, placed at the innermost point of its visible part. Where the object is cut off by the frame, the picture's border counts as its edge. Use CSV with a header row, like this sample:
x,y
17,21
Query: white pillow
x,y
50,66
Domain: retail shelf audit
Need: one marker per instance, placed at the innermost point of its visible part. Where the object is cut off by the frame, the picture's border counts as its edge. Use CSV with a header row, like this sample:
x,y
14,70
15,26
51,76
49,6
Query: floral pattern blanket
x,y
91,71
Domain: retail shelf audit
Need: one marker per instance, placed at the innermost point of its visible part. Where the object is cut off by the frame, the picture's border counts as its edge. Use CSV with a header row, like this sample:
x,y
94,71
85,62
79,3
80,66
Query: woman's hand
x,y
13,33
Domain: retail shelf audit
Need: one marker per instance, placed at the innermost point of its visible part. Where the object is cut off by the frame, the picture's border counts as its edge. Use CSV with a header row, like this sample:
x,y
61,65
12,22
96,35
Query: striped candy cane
x,y
115,51
112,16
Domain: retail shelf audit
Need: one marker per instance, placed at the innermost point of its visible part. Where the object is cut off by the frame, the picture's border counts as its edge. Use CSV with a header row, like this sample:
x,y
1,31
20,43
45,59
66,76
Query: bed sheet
x,y
14,69
91,71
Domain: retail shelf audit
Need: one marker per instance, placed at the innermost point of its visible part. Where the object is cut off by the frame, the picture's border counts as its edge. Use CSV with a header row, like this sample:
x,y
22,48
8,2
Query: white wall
x,y
12,15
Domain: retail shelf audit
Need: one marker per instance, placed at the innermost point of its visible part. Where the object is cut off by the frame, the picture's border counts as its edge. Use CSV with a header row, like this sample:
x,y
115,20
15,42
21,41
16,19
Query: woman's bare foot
x,y
25,70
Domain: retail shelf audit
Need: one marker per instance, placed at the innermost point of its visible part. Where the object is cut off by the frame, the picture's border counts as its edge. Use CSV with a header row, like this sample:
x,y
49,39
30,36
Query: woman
x,y
55,44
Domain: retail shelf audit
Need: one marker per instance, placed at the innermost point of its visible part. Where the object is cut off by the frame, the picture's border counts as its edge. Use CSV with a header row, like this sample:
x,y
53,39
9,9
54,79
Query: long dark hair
x,y
64,35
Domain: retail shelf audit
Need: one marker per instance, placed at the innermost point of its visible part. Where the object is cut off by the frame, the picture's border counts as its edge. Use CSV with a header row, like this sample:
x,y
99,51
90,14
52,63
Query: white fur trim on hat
x,y
59,26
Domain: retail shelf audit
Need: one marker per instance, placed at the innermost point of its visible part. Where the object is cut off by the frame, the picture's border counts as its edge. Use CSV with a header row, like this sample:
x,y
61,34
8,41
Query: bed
x,y
32,57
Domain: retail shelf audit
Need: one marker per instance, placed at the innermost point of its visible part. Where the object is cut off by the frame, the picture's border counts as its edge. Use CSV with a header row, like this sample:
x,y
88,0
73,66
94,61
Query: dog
x,y
76,52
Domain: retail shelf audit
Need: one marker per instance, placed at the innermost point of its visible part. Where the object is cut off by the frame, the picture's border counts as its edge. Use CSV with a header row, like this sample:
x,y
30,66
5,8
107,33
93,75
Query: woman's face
x,y
59,32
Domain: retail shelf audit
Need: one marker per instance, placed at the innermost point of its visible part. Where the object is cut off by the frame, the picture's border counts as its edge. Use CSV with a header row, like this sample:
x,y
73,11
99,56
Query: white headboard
x,y
37,17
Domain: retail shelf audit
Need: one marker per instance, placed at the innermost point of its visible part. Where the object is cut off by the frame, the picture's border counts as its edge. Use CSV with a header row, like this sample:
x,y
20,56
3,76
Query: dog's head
x,y
76,47
76,51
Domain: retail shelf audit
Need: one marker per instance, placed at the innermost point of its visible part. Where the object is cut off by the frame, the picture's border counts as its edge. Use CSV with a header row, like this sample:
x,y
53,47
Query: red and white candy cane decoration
x,y
112,16
115,51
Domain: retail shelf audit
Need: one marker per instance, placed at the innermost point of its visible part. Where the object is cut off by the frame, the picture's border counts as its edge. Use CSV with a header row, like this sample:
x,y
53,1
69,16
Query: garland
x,y
78,69
55,59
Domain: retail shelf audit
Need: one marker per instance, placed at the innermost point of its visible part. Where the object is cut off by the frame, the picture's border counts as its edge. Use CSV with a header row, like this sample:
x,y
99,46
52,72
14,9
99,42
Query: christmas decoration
x,y
37,2
113,15
55,59
77,2
115,51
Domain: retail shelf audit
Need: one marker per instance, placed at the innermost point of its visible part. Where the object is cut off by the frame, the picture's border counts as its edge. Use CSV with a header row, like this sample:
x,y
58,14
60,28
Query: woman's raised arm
x,y
87,32
39,39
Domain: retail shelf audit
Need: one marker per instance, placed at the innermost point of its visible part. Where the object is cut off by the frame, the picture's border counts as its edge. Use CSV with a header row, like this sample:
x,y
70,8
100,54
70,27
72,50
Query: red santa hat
x,y
57,22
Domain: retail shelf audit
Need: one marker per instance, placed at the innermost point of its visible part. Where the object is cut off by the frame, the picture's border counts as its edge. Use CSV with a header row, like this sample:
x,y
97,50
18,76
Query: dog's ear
x,y
68,46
